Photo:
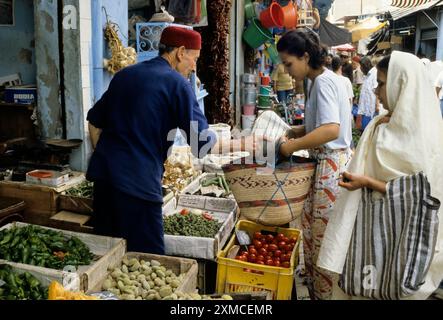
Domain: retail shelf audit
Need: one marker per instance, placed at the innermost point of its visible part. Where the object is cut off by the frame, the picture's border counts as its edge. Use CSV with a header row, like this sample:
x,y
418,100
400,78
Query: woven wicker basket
x,y
276,198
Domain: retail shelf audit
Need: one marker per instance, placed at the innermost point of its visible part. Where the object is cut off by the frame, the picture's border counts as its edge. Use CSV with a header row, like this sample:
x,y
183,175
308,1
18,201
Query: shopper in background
x,y
337,69
327,137
368,105
357,73
283,83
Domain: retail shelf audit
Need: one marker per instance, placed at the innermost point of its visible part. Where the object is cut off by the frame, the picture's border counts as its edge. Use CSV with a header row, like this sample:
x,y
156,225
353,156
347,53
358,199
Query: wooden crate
x,y
177,265
71,221
41,201
75,204
105,249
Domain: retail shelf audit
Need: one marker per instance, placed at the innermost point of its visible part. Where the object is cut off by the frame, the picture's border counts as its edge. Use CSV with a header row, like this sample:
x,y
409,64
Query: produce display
x,y
42,247
143,280
275,251
83,190
191,223
58,292
178,174
15,286
214,186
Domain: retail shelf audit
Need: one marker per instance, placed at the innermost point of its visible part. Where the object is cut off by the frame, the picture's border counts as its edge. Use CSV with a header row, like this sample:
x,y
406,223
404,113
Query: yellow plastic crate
x,y
235,276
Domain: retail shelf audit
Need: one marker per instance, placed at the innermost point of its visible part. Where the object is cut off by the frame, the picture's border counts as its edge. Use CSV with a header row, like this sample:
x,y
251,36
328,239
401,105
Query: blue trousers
x,y
117,214
441,107
283,95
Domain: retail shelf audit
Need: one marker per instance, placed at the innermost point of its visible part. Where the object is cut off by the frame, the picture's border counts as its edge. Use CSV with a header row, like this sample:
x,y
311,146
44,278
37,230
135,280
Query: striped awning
x,y
398,13
408,3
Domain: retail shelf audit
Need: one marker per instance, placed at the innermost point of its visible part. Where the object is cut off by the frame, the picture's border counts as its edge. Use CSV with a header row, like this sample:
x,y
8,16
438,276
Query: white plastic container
x,y
248,122
222,130
47,177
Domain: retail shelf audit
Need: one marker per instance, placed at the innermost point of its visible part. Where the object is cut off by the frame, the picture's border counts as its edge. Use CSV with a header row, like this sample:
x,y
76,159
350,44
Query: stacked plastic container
x,y
249,100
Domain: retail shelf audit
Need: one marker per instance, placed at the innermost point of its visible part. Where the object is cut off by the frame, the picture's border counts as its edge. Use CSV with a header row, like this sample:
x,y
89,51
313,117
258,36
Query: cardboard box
x,y
21,94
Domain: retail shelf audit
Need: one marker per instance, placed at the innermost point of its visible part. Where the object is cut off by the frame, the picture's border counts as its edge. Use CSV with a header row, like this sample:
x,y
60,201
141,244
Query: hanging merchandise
x,y
201,16
250,9
271,50
182,10
121,57
290,16
256,35
305,14
272,16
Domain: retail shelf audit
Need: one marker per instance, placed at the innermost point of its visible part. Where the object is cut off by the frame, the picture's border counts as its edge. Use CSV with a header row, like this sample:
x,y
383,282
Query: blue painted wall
x,y
117,11
17,53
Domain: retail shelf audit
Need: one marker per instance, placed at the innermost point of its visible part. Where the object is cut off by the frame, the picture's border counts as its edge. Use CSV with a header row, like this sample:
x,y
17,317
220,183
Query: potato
x,y
155,263
159,282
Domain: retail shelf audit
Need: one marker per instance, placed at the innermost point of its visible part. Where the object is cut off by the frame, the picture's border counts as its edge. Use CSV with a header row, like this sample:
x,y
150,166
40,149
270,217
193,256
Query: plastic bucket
x,y
250,10
249,95
290,16
255,35
272,16
273,54
265,90
248,122
265,81
249,110
264,101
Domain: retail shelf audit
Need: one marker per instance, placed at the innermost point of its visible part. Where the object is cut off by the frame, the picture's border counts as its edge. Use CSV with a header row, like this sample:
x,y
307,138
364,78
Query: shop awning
x,y
410,7
365,28
408,3
332,35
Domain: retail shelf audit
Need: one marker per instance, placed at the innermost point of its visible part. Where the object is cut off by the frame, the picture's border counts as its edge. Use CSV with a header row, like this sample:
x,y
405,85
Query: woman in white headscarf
x,y
407,141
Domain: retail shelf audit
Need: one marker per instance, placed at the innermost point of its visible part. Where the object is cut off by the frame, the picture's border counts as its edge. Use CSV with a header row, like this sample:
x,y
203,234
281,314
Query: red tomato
x,y
263,239
285,264
238,258
277,258
263,251
185,212
284,257
269,256
257,235
269,238
260,258
252,251
277,263
260,262
272,247
282,245
245,254
244,258
257,244
265,246
277,253
269,262
293,240
252,258
280,237
288,248
285,239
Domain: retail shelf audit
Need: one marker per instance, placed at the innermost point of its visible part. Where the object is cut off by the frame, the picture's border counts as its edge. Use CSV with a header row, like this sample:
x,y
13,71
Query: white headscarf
x,y
411,142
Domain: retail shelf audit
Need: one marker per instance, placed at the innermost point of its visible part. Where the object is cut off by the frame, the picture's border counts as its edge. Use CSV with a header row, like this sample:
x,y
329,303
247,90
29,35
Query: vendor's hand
x,y
286,146
353,182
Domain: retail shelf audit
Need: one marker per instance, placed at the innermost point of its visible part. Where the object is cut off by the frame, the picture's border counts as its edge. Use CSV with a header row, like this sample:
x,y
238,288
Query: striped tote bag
x,y
393,241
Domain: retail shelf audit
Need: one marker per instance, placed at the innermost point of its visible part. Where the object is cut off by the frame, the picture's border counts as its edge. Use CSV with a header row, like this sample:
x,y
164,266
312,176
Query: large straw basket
x,y
273,198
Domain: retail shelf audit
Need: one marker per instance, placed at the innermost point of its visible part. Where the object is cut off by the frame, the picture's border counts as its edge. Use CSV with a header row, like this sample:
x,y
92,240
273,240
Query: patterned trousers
x,y
317,210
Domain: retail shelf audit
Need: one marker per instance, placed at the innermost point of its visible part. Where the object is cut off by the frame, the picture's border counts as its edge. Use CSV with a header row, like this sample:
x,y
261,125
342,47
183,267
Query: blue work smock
x,y
137,114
